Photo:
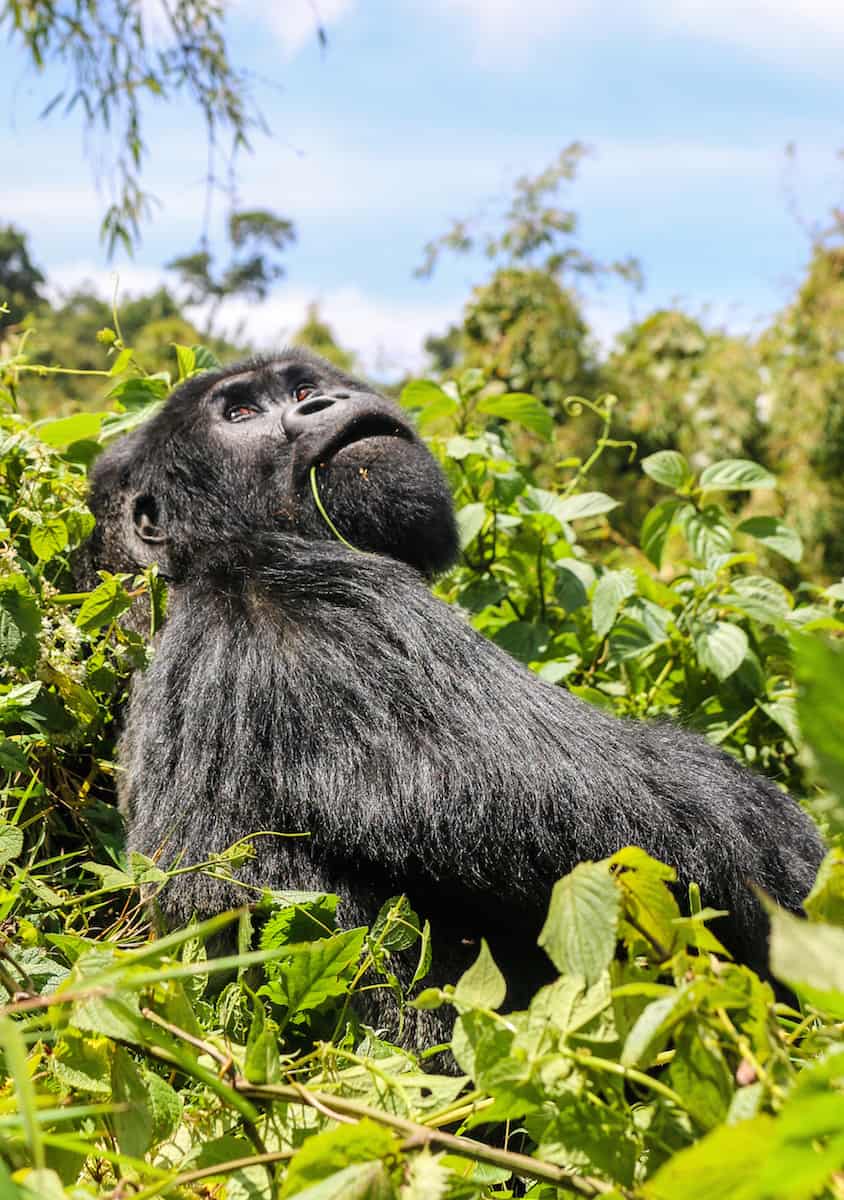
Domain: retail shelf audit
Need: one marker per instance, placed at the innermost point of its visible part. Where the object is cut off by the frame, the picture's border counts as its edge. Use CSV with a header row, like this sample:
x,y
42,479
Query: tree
x,y
116,65
20,279
256,236
524,326
534,231
802,354
319,336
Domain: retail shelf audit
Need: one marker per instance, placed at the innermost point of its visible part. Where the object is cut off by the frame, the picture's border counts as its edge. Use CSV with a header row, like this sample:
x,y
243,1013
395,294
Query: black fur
x,y
300,686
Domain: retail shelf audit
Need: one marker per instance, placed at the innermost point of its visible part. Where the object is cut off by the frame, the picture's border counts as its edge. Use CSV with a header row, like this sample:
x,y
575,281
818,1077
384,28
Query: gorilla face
x,y
236,449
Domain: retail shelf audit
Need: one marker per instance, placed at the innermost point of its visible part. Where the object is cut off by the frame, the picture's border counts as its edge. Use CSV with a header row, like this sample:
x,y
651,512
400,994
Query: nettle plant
x,y
650,1067
684,624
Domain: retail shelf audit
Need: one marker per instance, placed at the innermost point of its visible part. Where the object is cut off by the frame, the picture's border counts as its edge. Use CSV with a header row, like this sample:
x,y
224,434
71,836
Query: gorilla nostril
x,y
314,404
305,415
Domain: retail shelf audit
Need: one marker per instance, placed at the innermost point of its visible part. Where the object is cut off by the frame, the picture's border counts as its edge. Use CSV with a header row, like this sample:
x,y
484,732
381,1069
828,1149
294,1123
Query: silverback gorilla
x,y
303,687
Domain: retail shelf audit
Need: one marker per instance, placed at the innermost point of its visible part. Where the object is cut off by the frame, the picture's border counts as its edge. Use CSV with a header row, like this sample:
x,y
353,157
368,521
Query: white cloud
x,y
796,29
129,280
387,335
295,23
508,31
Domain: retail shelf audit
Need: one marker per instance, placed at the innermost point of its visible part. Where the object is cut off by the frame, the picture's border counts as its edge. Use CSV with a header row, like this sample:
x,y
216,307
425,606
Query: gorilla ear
x,y
145,520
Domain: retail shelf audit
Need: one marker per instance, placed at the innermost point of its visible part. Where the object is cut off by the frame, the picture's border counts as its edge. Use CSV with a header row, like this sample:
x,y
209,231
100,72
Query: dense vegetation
x,y
653,1068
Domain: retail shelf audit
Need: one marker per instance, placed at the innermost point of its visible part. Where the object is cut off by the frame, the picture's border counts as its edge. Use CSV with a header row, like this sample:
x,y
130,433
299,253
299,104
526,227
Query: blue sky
x,y
424,110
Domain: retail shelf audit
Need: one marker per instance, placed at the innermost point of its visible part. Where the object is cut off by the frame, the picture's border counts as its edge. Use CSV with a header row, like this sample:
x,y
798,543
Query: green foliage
x,y
682,625
652,1067
20,279
805,437
319,337
525,330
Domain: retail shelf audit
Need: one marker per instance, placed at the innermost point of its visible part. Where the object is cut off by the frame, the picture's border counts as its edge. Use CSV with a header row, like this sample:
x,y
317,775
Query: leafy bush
x,y
652,1068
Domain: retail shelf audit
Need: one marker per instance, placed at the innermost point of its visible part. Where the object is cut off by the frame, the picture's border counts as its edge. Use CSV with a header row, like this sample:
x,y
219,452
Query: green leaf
x,y
760,598
720,647
318,971
569,587
482,985
525,640
20,622
668,467
122,361
109,877
420,393
261,1063
137,395
430,402
585,504
12,757
651,1029
809,957
656,528
343,1163
83,1064
650,909
611,590
736,475
221,1150
11,842
583,1135
48,538
396,926
19,696
461,447
65,430
825,902
819,667
364,1181
423,966
205,359
133,1122
579,934
186,361
783,712
298,921
116,1017
700,1075
774,534
470,521
707,531
104,604
435,412
724,1165
481,593
522,409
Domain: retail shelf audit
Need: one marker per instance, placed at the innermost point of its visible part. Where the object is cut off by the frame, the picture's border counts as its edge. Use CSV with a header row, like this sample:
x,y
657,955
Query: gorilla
x,y
302,685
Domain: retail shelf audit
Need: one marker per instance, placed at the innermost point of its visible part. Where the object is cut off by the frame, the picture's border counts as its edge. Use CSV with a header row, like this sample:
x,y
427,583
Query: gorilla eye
x,y
240,412
303,390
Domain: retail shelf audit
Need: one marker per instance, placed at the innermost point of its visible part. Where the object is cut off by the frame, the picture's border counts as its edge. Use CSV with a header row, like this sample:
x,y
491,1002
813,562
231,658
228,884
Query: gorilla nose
x,y
327,422
310,414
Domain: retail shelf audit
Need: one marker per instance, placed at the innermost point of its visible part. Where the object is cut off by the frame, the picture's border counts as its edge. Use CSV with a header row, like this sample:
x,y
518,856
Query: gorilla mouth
x,y
367,428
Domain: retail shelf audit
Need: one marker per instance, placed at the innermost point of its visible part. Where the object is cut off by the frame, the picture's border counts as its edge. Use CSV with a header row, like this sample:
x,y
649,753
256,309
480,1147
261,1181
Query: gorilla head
x,y
236,449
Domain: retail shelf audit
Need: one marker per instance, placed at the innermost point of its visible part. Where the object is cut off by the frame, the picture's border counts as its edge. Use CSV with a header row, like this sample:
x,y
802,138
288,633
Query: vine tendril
x,y
322,512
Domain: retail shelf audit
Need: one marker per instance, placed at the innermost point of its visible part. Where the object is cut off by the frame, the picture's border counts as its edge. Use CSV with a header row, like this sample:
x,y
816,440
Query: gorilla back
x,y
301,687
